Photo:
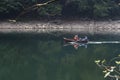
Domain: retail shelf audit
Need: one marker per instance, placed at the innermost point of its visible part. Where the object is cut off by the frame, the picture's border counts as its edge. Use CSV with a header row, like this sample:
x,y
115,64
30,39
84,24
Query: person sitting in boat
x,y
76,38
85,40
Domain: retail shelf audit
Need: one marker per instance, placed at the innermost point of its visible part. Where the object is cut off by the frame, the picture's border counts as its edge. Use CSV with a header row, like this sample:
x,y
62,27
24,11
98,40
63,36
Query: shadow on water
x,y
43,57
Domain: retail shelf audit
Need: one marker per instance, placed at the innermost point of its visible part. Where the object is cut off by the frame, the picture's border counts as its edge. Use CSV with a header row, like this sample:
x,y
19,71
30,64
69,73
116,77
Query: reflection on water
x,y
43,57
78,44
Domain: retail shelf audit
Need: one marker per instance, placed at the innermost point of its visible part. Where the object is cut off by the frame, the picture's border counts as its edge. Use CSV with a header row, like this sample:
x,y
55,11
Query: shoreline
x,y
76,26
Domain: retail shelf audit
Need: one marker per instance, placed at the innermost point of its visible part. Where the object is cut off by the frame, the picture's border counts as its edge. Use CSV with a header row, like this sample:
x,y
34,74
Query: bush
x,y
9,8
114,11
50,10
100,11
79,8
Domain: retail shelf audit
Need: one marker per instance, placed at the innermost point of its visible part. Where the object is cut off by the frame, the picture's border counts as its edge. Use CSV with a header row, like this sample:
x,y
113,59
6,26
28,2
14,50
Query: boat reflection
x,y
75,44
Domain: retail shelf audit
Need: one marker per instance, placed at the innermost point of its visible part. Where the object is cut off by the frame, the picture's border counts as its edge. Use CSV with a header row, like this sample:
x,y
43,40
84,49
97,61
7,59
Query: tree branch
x,y
26,10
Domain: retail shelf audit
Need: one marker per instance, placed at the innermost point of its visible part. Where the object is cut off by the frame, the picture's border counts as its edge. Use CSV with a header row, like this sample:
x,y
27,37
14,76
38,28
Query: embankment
x,y
91,27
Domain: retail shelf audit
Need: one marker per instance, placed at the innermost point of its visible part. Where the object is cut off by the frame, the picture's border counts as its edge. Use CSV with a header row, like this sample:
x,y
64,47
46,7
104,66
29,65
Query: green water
x,y
43,57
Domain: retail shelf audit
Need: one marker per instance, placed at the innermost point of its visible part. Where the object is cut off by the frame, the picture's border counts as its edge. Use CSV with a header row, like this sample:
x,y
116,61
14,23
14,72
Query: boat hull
x,y
72,40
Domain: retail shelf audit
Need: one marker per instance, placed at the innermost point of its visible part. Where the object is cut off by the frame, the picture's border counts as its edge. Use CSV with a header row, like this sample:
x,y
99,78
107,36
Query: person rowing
x,y
84,40
81,40
77,39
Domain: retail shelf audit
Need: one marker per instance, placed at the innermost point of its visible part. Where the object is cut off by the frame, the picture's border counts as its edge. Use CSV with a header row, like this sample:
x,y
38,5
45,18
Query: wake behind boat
x,y
103,42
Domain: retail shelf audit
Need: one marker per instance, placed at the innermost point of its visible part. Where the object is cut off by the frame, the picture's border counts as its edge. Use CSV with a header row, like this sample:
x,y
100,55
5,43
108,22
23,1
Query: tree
x,y
79,8
100,11
9,8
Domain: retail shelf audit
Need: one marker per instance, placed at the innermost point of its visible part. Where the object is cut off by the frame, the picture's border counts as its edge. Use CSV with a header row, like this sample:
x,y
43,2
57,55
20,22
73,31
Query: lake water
x,y
44,57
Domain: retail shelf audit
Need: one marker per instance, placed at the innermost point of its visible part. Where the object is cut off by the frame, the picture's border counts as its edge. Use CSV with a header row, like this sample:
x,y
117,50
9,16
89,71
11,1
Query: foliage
x,y
69,8
9,8
110,68
100,10
77,8
50,10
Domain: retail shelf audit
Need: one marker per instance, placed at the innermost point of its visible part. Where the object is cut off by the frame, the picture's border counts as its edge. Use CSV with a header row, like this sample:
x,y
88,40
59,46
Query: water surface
x,y
43,57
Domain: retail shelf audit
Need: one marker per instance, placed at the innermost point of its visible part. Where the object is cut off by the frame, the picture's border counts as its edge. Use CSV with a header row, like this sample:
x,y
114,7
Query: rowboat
x,y
84,42
81,40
